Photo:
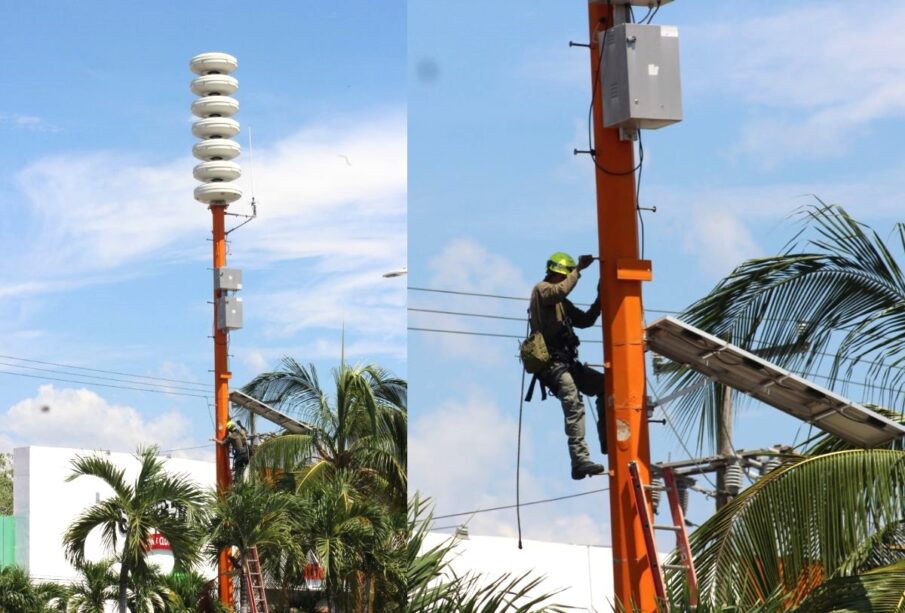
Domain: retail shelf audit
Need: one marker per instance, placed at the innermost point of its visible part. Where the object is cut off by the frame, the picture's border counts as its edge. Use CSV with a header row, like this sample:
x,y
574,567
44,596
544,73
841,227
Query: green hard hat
x,y
561,262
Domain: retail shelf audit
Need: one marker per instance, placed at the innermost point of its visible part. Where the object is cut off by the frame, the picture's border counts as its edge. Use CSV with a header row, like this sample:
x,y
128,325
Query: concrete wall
x,y
583,572
44,505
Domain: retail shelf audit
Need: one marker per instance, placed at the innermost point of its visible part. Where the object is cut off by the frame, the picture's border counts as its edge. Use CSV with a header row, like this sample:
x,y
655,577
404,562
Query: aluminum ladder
x,y
677,526
254,582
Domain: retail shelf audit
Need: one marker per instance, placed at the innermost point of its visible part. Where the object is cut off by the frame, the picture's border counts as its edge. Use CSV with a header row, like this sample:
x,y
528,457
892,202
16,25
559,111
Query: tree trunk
x,y
123,582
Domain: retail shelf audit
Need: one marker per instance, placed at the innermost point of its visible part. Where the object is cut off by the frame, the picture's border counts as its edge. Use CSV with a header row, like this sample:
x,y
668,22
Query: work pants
x,y
568,382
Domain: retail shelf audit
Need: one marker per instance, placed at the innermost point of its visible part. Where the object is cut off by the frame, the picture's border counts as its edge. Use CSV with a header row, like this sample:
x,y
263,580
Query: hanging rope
x,y
518,455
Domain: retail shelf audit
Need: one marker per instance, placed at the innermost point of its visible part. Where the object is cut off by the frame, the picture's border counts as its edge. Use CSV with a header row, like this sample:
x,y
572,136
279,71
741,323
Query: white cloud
x,y
27,122
465,265
81,418
462,454
719,239
100,211
816,78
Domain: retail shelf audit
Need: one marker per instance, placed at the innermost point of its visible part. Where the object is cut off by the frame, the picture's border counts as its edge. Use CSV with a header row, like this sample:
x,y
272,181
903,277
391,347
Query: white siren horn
x,y
215,107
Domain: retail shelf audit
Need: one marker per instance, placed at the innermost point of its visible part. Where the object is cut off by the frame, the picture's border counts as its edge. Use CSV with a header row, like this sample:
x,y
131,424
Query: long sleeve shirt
x,y
550,306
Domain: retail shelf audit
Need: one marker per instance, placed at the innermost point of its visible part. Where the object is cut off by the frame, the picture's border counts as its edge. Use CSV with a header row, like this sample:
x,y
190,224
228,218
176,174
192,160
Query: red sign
x,y
158,542
314,572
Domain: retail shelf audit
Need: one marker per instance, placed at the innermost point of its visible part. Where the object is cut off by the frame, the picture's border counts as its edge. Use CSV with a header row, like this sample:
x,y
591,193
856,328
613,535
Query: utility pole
x,y
724,441
214,108
621,274
221,390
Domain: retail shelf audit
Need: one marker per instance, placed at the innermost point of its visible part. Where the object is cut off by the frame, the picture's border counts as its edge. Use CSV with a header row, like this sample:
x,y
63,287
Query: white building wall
x,y
583,572
45,505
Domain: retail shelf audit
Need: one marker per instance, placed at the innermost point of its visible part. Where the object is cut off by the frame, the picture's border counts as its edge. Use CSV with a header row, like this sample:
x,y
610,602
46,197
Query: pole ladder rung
x,y
667,527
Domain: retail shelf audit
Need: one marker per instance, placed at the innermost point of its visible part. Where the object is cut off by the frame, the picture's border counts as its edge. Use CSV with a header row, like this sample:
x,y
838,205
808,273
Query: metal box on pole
x,y
229,313
229,279
639,79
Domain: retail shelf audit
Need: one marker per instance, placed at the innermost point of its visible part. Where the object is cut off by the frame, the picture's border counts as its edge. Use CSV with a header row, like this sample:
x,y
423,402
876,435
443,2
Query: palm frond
x,y
797,526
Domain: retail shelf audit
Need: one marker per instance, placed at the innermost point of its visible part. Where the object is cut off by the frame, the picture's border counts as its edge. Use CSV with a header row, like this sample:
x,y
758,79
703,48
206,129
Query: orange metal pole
x,y
221,389
621,274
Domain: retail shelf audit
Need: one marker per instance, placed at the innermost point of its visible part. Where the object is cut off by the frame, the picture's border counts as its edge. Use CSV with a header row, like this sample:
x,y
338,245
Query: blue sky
x,y
778,105
105,254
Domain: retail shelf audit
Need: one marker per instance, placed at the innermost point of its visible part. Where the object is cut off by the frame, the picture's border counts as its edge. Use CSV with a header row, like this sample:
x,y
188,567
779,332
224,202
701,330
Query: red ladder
x,y
678,526
254,582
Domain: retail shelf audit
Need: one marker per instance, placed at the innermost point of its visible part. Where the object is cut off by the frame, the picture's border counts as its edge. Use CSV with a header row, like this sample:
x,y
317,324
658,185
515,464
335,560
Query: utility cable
x,y
518,453
591,151
524,504
92,383
100,370
102,378
676,432
491,334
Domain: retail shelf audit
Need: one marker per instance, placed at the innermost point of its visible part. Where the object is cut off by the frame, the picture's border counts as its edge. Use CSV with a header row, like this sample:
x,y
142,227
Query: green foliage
x,y
19,595
95,589
819,518
361,429
140,508
835,295
6,484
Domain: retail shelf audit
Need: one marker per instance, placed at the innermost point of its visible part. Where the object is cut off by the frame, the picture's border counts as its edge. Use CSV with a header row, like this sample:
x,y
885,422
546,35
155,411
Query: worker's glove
x,y
584,261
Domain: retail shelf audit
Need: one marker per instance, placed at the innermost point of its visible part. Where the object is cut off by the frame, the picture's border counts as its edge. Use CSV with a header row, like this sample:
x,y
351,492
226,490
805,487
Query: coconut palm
x,y
19,595
95,588
135,511
352,536
360,430
190,592
829,527
834,297
816,522
250,514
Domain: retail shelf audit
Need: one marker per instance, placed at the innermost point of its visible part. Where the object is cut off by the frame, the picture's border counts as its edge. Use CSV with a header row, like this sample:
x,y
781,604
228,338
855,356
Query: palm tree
x,y
352,536
817,520
135,511
828,529
190,592
250,514
361,430
19,595
835,295
95,589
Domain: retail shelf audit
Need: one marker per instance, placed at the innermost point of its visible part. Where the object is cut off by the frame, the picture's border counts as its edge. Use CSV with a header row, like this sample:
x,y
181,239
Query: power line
x,y
470,333
520,319
62,372
524,504
92,383
110,372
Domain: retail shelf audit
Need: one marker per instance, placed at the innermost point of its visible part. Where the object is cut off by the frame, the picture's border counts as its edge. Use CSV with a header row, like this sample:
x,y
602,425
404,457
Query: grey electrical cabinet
x,y
639,79
229,313
229,279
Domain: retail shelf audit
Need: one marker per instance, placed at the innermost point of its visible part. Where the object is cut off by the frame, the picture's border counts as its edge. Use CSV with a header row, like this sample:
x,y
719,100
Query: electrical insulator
x,y
769,465
215,107
733,479
682,485
656,489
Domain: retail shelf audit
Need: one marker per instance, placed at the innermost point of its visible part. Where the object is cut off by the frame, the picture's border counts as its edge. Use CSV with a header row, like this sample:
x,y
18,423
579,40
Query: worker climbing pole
x,y
622,272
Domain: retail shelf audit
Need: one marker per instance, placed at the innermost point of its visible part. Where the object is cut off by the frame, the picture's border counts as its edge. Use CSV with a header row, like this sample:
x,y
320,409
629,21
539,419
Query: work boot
x,y
587,469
